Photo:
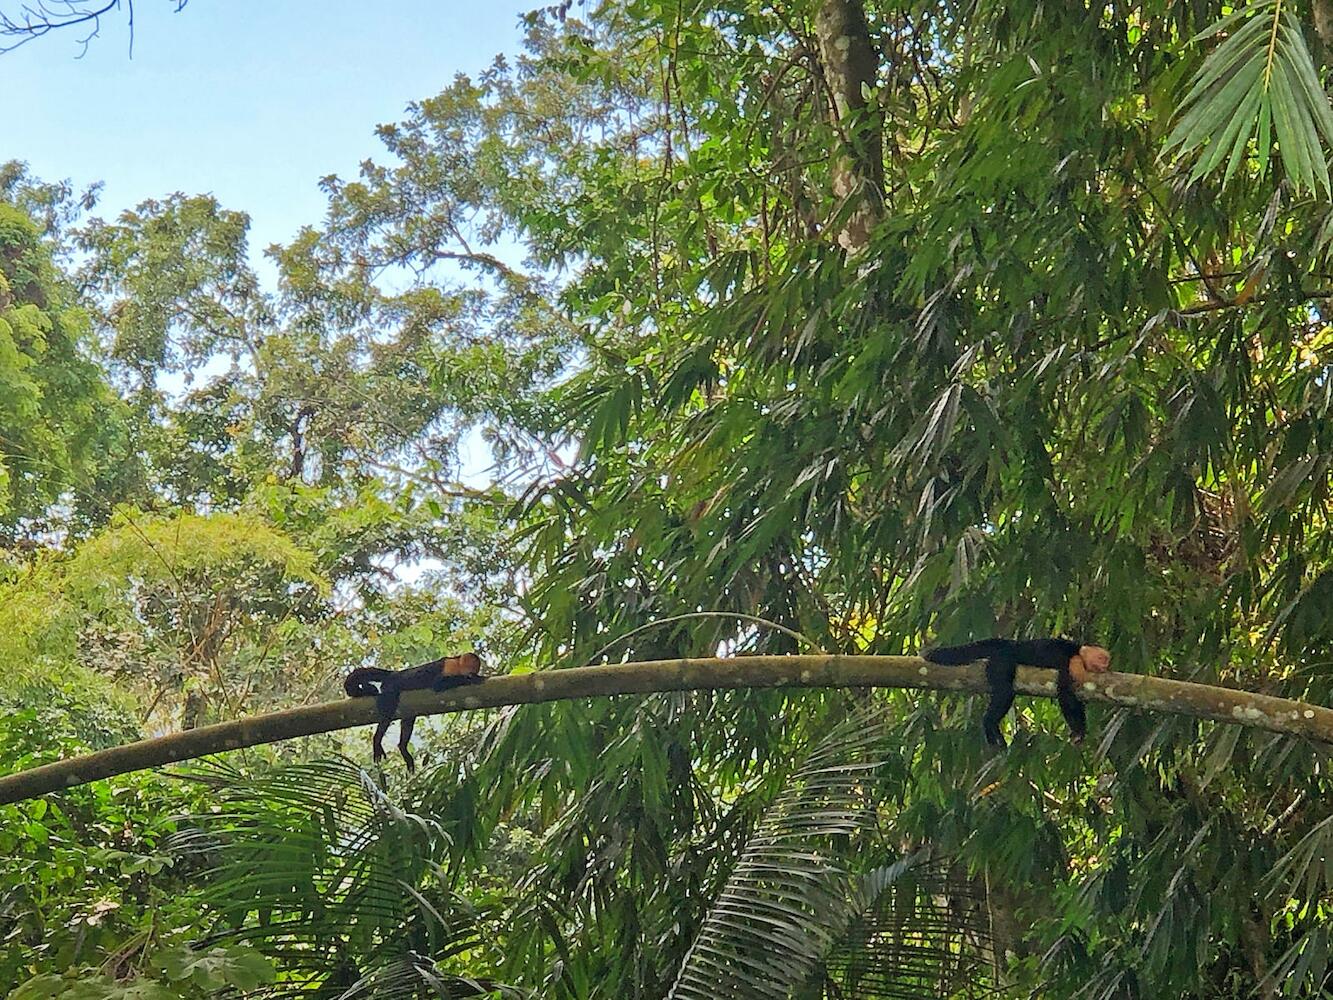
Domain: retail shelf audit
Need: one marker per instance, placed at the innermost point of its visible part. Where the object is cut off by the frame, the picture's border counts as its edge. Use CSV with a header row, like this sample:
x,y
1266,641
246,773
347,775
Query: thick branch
x,y
1155,694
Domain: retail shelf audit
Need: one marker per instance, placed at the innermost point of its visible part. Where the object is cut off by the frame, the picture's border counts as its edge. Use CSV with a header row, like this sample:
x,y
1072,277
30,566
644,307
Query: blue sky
x,y
252,100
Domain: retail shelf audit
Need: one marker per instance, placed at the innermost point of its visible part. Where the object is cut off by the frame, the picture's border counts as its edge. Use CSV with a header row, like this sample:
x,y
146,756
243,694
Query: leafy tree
x,y
1040,378
63,432
87,879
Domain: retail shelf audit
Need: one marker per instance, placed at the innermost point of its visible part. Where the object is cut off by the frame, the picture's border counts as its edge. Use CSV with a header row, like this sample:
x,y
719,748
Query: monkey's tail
x,y
365,681
956,656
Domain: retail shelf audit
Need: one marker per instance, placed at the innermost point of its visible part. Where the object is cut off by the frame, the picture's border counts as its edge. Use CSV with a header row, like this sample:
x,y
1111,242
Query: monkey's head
x,y
1096,659
463,665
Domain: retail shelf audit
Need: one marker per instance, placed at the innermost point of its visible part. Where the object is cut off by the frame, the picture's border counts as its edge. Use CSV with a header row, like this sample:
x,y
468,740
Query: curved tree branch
x,y
1154,694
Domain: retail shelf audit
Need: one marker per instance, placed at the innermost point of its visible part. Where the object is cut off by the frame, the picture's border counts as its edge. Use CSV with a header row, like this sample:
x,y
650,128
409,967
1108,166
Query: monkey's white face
x,y
1096,659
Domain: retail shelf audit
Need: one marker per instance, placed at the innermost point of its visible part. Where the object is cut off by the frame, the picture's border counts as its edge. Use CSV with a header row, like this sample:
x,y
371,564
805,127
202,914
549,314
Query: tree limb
x,y
1154,694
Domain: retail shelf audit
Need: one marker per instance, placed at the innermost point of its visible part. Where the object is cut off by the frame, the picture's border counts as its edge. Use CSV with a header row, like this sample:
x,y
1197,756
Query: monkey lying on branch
x,y
1074,661
387,685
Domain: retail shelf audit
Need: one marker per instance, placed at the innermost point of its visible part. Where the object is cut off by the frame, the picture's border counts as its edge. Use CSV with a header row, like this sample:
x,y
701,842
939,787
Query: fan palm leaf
x,y
806,905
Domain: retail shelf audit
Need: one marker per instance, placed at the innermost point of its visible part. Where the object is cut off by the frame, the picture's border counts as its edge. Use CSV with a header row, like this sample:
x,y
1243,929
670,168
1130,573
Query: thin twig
x,y
705,614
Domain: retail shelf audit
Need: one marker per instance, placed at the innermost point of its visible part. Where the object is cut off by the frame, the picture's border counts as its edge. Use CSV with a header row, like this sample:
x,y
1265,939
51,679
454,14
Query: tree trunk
x,y
849,65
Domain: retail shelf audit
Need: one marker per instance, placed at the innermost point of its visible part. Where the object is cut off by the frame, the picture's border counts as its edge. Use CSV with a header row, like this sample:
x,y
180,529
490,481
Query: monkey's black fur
x,y
387,685
1002,658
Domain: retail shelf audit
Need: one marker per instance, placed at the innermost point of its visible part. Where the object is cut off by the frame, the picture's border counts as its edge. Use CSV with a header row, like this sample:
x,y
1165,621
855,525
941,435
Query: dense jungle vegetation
x,y
889,321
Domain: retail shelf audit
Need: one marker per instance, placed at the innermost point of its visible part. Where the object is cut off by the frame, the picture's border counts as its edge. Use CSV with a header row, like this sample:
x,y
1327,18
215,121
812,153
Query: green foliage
x,y
185,973
1062,388
349,890
1063,385
87,886
61,426
1258,85
803,877
36,625
95,987
51,716
161,604
183,287
159,551
217,967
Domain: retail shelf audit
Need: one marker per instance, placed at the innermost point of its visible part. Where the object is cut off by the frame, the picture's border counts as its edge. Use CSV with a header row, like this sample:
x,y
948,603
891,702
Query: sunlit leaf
x,y
1262,74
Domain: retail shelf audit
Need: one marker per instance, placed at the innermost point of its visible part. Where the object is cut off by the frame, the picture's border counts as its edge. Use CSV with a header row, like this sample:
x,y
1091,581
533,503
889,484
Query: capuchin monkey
x,y
1075,664
387,685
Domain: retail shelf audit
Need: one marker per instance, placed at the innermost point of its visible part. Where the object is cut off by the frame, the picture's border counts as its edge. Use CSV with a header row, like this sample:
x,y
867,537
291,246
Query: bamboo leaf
x,y
1237,132
1259,84
1227,21
1199,124
1246,46
1264,135
1293,131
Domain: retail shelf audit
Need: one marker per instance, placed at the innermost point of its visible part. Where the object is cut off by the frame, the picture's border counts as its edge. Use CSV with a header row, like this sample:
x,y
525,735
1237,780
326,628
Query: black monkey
x,y
387,685
1074,661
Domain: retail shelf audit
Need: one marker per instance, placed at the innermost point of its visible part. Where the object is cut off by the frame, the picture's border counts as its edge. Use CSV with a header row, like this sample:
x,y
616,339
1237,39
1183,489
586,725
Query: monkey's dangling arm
x,y
1073,663
404,738
377,753
387,685
1000,672
1066,684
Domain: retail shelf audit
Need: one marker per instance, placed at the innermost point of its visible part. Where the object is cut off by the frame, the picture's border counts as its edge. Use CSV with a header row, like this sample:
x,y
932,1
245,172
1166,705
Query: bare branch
x,y
31,19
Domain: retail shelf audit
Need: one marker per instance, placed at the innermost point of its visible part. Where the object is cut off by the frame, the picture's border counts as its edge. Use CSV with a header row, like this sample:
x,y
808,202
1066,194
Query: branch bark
x,y
1155,694
1322,11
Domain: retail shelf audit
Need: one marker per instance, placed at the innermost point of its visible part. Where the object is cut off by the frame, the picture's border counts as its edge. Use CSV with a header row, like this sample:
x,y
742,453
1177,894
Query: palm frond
x,y
805,914
312,864
793,889
1259,84
922,929
414,976
1304,872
